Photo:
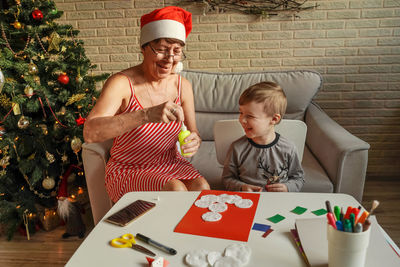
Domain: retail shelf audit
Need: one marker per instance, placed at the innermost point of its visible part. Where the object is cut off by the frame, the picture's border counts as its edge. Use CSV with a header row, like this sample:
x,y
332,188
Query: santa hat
x,y
167,22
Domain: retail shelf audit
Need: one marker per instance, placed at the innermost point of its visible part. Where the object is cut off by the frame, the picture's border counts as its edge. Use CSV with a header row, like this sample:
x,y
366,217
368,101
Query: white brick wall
x,y
354,44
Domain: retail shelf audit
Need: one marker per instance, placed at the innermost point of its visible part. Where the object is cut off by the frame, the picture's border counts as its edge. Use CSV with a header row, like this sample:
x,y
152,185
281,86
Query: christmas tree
x,y
46,90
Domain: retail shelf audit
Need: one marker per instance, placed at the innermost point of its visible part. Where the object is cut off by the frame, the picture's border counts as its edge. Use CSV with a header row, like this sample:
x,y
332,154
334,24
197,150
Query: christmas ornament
x,y
23,122
37,14
44,128
36,79
75,98
64,158
28,91
48,183
16,108
63,78
2,131
54,11
50,157
79,78
32,68
62,111
5,102
17,25
2,80
76,144
5,161
26,222
54,42
80,120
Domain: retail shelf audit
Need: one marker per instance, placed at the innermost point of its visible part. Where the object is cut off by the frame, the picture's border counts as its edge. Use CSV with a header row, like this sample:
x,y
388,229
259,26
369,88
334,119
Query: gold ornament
x,y
62,111
5,161
32,68
79,78
44,128
17,25
64,158
54,42
56,126
76,144
75,98
50,157
28,91
23,122
36,79
5,102
67,138
48,183
16,109
2,80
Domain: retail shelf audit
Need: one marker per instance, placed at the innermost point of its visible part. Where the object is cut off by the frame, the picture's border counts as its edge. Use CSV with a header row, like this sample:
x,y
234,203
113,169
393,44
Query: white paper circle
x,y
240,252
244,203
213,256
227,262
197,258
202,203
211,198
211,216
227,198
218,207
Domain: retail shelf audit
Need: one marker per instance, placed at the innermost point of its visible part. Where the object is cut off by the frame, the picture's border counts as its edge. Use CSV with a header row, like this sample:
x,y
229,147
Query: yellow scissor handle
x,y
125,241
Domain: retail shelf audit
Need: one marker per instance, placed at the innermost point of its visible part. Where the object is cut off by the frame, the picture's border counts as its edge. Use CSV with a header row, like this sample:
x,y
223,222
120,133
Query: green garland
x,y
264,8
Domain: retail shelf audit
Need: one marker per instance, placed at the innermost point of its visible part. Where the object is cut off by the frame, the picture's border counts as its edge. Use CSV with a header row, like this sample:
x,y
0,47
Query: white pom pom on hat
x,y
167,22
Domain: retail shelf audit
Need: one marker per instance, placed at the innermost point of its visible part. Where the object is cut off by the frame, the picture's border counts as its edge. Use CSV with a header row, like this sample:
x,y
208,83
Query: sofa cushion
x,y
224,90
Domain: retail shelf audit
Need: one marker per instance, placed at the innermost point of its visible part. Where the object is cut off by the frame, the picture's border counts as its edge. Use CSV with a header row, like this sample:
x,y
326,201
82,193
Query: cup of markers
x,y
348,236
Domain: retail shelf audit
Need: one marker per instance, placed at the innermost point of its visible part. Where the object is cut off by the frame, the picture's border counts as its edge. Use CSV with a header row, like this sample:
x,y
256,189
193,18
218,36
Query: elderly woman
x,y
143,108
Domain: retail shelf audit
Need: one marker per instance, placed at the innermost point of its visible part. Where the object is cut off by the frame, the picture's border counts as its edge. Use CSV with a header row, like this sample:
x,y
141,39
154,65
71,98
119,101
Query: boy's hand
x,y
276,188
250,188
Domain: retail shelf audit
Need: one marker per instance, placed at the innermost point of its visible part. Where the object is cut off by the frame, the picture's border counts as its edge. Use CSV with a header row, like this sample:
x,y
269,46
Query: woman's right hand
x,y
165,112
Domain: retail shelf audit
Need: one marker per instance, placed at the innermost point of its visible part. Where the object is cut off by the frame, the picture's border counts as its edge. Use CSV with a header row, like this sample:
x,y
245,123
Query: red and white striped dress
x,y
146,158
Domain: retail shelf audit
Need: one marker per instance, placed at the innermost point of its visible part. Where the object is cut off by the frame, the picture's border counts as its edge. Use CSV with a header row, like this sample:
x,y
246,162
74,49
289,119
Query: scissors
x,y
128,241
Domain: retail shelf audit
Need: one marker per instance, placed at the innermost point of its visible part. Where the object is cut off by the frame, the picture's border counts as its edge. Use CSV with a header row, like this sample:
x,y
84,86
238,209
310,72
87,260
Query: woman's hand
x,y
250,188
193,142
165,112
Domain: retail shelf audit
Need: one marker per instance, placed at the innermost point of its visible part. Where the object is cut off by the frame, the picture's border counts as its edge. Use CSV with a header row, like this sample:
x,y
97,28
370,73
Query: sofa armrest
x,y
95,157
343,155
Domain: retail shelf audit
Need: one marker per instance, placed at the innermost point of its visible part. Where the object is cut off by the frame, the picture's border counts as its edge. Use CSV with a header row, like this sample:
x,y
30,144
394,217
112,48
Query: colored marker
x,y
328,206
347,225
341,214
362,218
336,210
355,211
366,225
339,225
331,219
348,211
352,221
358,228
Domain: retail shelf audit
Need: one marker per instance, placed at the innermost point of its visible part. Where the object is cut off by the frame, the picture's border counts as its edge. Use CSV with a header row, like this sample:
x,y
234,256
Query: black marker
x,y
156,244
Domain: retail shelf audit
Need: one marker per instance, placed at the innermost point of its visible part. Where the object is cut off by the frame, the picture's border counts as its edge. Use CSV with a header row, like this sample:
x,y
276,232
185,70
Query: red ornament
x,y
80,120
63,78
37,14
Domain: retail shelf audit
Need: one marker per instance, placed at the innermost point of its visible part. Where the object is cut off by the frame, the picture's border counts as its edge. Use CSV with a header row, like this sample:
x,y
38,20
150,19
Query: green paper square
x,y
299,210
320,212
276,218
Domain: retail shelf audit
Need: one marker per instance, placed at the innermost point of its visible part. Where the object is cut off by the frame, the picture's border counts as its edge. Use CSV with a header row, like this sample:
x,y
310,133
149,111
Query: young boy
x,y
262,160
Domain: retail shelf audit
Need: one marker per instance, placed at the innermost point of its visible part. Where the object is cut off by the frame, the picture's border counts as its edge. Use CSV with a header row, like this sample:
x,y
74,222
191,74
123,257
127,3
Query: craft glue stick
x,y
181,137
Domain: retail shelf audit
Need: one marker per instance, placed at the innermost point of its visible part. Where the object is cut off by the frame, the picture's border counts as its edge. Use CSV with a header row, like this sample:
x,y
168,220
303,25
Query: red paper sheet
x,y
235,223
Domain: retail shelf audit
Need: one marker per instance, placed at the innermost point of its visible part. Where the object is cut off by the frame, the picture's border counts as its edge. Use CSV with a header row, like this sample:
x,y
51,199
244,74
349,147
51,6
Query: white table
x,y
277,249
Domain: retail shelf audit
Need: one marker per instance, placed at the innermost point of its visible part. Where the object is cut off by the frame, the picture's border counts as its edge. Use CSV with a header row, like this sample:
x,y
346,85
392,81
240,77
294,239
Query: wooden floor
x,y
49,249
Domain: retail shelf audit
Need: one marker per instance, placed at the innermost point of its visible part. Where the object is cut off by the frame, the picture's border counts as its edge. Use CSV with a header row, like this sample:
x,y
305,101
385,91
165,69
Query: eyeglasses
x,y
164,54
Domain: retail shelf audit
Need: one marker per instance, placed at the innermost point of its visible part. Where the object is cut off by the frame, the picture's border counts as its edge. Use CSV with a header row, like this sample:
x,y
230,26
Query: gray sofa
x,y
334,160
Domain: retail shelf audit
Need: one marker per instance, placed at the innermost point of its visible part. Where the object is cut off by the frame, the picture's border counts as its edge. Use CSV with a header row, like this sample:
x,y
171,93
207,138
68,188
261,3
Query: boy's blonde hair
x,y
270,93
